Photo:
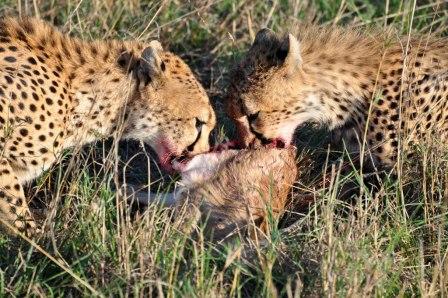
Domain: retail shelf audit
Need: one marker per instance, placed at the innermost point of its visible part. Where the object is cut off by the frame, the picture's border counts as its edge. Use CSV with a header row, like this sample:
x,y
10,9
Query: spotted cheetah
x,y
57,91
377,90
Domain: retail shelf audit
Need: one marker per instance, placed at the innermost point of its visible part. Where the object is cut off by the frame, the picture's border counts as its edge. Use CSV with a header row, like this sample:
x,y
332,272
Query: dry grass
x,y
391,243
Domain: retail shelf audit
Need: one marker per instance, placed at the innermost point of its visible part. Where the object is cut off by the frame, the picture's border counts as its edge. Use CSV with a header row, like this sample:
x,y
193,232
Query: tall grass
x,y
389,243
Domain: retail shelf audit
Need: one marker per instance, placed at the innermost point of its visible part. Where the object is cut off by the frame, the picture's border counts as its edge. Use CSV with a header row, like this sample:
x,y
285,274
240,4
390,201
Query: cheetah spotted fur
x,y
58,91
382,89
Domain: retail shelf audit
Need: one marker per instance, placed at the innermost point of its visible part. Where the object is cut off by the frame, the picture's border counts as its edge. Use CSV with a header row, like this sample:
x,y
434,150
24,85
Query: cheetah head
x,y
169,109
266,97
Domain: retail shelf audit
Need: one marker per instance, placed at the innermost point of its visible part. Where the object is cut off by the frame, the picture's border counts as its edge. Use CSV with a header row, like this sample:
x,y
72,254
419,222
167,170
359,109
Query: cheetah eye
x,y
253,117
199,124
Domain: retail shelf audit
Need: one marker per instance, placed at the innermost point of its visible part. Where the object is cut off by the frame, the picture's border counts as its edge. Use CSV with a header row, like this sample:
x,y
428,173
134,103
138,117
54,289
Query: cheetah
x,y
58,91
382,93
229,190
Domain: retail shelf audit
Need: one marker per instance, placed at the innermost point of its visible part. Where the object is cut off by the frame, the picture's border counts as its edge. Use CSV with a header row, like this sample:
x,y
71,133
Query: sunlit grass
x,y
389,243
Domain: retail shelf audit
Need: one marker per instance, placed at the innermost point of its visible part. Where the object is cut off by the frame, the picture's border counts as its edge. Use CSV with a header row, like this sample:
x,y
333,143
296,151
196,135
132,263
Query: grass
x,y
391,243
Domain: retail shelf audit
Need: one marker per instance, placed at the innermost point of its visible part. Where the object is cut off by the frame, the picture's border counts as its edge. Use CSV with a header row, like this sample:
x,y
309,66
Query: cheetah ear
x,y
151,64
278,51
265,42
289,52
265,37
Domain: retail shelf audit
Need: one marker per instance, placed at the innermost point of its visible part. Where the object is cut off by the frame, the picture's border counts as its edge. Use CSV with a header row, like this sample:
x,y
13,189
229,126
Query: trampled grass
x,y
389,243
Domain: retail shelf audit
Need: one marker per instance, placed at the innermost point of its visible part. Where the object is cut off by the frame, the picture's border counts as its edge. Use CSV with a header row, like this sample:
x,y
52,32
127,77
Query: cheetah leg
x,y
13,207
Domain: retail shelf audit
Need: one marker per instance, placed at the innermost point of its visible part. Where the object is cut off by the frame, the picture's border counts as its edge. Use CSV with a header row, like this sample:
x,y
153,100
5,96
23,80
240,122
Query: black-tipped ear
x,y
150,64
267,48
139,68
288,51
281,53
270,50
265,37
152,56
127,61
293,58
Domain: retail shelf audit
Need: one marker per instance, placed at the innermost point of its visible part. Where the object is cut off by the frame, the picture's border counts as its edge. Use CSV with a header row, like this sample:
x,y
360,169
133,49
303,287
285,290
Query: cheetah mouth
x,y
179,163
278,143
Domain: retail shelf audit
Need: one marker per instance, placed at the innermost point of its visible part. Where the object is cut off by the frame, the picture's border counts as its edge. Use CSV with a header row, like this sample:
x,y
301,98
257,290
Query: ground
x,y
390,244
